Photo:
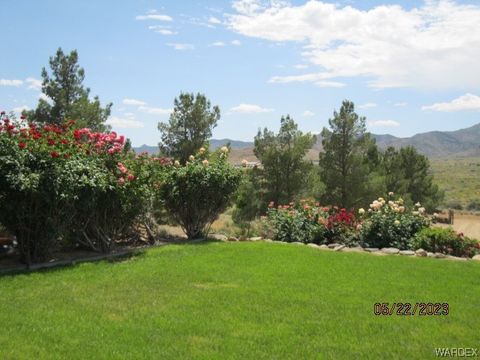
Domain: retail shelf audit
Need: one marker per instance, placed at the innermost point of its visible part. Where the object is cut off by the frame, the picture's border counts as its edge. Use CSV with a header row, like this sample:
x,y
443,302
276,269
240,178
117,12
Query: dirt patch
x,y
469,225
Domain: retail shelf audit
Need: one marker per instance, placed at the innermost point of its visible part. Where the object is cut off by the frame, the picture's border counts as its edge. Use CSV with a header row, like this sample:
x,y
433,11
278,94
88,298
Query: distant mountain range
x,y
214,144
461,143
434,144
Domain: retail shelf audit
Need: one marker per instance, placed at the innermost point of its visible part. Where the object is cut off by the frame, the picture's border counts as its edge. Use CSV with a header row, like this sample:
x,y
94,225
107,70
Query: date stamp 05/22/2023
x,y
411,309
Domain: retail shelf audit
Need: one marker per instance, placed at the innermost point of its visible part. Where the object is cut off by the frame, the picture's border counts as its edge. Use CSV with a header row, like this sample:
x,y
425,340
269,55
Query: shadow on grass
x,y
114,258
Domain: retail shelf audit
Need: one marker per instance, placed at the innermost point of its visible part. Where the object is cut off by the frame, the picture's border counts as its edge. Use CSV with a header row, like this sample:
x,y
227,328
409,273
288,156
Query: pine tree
x,y
190,126
67,98
283,158
344,161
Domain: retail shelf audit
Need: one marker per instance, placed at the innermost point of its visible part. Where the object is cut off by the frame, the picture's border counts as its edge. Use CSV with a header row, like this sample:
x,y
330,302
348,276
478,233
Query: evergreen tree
x,y
346,160
190,126
283,158
418,178
68,98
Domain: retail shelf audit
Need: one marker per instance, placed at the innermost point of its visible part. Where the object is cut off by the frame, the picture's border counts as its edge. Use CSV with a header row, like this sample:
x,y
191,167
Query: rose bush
x,y
388,223
59,183
306,221
195,194
446,241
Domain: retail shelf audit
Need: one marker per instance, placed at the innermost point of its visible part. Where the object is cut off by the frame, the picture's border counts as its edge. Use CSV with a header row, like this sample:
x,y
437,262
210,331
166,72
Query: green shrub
x,y
446,241
308,222
59,184
122,194
473,205
295,223
195,194
391,224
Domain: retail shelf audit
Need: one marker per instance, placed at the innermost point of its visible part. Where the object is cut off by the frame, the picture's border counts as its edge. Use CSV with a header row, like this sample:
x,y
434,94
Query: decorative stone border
x,y
343,248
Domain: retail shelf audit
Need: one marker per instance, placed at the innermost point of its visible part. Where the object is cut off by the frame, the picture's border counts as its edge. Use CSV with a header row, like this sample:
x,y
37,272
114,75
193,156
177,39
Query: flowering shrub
x,y
446,241
299,222
124,193
59,183
391,224
308,222
195,194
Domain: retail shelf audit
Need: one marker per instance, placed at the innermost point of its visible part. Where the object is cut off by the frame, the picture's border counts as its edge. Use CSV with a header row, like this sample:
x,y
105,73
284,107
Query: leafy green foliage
x,y
282,156
195,194
69,98
189,127
62,184
391,224
307,221
446,241
249,203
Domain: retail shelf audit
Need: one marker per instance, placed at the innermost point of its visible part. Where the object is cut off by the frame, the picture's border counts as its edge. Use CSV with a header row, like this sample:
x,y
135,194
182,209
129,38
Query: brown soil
x,y
469,225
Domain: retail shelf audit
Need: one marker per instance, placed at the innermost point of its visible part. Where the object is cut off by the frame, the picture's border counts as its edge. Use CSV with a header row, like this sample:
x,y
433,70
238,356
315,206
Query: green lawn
x,y
238,301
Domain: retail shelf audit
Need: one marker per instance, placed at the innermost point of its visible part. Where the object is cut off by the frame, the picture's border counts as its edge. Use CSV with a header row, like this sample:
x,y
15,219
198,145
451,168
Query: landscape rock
x,y
232,238
421,252
338,248
476,257
449,257
268,240
332,246
297,243
323,247
430,254
379,253
220,237
255,238
353,249
390,251
439,255
407,252
313,245
371,250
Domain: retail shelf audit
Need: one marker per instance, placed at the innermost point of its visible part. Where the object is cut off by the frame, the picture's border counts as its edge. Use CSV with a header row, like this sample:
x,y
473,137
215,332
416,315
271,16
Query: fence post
x,y
451,216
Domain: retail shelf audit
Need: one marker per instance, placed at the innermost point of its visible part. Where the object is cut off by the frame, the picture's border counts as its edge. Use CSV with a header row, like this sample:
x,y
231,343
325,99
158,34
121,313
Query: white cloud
x,y
154,110
178,46
383,123
133,102
300,66
33,83
6,82
236,42
465,102
308,113
19,109
214,20
316,78
218,44
436,45
124,123
367,106
166,32
250,109
154,16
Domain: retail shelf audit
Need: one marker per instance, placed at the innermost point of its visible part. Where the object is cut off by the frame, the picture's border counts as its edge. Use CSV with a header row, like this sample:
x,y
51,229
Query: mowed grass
x,y
238,301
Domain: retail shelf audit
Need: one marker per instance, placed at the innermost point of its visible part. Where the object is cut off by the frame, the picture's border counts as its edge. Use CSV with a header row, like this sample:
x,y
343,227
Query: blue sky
x,y
409,66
